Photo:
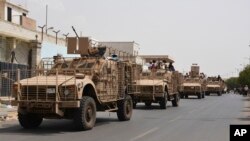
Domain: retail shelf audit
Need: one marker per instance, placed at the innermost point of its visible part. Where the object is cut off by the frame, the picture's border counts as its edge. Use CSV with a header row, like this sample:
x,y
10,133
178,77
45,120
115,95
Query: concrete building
x,y
20,42
125,50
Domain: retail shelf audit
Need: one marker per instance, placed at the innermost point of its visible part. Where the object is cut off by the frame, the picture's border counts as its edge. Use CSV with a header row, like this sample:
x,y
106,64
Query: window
x,y
9,14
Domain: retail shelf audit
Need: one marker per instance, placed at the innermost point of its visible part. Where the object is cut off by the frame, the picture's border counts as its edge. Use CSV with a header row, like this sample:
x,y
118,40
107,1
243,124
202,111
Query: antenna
x,y
75,32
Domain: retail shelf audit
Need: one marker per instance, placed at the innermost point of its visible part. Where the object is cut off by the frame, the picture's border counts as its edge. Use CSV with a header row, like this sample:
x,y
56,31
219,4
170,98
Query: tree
x,y
232,83
244,76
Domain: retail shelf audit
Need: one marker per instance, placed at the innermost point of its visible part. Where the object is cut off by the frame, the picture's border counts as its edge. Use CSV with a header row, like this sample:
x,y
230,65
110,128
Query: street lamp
x,y
50,28
42,27
56,34
66,36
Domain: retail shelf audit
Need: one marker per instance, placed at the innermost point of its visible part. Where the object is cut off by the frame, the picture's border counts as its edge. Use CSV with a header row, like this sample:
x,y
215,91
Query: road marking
x,y
175,119
144,134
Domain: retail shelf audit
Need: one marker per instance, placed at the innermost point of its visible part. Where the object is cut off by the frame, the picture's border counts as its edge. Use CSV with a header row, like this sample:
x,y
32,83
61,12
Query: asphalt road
x,y
194,120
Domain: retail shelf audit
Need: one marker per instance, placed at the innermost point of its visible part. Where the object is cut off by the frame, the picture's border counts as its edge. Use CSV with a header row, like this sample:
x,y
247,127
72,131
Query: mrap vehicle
x,y
75,88
194,83
157,84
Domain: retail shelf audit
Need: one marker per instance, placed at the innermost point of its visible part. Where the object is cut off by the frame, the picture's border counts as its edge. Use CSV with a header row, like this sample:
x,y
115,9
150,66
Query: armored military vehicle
x,y
76,88
157,84
214,85
194,83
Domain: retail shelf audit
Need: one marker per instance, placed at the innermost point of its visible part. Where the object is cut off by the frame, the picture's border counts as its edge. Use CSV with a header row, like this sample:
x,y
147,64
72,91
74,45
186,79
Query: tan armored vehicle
x,y
76,88
157,85
214,85
194,83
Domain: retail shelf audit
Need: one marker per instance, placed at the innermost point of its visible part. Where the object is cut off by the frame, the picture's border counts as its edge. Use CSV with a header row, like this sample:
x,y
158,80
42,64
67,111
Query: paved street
x,y
195,120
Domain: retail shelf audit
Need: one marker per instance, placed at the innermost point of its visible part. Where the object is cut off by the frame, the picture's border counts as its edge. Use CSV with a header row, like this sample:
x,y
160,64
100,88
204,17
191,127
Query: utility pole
x,y
46,19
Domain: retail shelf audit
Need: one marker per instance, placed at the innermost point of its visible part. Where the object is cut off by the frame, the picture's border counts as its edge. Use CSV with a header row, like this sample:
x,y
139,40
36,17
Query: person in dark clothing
x,y
171,67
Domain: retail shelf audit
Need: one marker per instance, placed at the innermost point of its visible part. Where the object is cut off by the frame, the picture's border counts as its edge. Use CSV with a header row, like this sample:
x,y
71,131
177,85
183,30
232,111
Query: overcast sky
x,y
213,33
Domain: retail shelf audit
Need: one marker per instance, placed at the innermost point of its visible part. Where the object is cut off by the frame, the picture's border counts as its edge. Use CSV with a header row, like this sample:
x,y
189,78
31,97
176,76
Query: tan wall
x,y
2,10
28,23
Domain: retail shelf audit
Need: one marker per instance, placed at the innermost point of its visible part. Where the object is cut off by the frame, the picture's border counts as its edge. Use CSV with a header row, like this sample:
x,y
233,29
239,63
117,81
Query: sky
x,y
213,33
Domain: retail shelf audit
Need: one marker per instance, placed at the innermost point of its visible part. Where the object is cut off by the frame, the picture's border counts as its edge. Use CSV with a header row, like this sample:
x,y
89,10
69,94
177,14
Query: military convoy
x,y
157,84
76,88
215,85
194,83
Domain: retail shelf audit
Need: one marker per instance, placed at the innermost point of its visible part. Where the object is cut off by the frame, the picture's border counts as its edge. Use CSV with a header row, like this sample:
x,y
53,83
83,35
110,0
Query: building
x,y
124,49
20,43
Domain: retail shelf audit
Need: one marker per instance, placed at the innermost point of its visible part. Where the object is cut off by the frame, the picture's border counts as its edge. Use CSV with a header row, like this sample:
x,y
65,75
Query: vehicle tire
x,y
175,102
199,95
203,95
163,102
219,93
125,108
29,121
186,96
148,103
85,115
207,93
181,95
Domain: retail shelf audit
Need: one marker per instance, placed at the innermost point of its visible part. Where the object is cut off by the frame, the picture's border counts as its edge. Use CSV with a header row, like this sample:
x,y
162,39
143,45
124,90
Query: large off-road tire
x,y
125,108
176,100
199,95
148,103
203,95
219,93
181,95
163,102
29,120
85,115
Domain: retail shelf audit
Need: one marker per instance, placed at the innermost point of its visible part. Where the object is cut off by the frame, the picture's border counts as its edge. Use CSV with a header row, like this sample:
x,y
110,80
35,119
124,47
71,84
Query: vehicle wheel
x,y
203,95
85,115
163,102
207,93
125,108
175,102
186,96
29,120
199,95
182,95
219,93
148,103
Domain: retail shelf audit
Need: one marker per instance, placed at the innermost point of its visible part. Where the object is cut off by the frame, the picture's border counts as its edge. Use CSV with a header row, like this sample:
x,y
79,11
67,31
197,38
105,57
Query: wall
x,y
2,10
28,23
129,47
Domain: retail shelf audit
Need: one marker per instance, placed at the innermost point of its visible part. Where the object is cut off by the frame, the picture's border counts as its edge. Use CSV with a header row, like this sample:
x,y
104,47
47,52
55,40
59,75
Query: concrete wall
x,y
131,48
18,31
2,48
28,23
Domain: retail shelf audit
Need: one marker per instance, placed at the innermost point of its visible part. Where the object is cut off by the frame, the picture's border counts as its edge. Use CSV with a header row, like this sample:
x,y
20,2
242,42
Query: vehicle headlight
x,y
67,90
51,90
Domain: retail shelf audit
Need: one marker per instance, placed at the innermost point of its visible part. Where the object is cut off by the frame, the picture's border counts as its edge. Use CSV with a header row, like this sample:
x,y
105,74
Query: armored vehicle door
x,y
107,87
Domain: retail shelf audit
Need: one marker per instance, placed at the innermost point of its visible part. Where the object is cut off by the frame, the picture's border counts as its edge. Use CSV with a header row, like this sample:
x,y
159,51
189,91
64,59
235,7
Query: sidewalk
x,y
7,112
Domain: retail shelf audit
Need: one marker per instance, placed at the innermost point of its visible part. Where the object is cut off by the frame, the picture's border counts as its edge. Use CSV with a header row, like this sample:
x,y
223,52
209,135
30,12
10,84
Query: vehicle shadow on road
x,y
49,127
152,107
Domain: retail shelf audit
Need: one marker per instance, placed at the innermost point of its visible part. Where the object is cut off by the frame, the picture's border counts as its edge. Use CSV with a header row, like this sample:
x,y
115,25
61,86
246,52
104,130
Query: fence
x,y
9,69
